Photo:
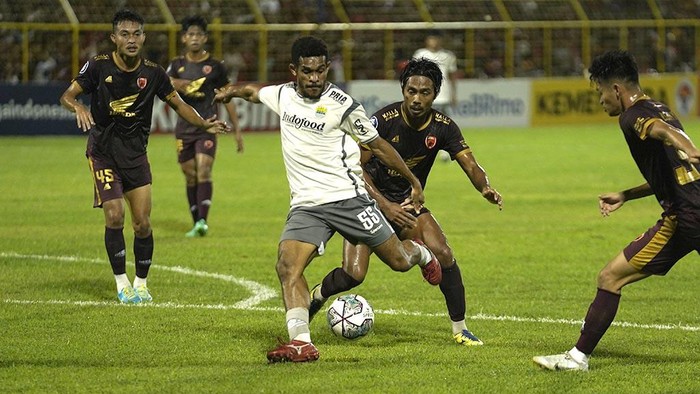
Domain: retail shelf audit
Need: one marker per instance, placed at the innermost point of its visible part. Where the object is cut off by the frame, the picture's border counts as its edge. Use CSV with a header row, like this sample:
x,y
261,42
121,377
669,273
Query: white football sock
x,y
458,326
298,324
122,281
578,355
139,281
425,255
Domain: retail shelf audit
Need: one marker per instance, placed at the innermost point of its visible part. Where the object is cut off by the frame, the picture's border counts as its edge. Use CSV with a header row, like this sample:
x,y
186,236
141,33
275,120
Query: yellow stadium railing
x,y
587,38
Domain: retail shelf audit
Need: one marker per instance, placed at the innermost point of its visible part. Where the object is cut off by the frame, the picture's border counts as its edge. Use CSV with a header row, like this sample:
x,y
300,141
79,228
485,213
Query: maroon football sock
x,y
192,200
337,281
116,249
204,194
143,254
600,315
452,288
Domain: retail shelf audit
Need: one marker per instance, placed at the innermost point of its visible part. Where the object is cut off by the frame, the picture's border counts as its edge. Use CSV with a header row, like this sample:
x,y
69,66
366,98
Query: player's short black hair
x,y
423,67
194,20
614,65
126,15
308,46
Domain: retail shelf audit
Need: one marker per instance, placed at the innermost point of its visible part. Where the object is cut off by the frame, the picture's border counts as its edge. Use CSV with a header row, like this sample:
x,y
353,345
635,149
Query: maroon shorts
x,y
190,145
660,247
112,182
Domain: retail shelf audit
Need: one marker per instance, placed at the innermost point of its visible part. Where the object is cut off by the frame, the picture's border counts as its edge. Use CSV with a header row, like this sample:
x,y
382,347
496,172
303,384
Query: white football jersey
x,y
319,142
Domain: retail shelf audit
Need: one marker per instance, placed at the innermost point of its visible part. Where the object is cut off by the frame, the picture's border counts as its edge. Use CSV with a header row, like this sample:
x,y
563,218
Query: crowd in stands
x,y
50,51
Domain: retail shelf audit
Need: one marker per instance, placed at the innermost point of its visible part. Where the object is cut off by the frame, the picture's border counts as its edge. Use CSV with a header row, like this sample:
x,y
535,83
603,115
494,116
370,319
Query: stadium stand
x,y
369,38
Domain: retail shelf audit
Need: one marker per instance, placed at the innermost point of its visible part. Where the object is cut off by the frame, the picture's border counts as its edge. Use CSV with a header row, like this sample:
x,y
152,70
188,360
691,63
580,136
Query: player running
x,y
418,132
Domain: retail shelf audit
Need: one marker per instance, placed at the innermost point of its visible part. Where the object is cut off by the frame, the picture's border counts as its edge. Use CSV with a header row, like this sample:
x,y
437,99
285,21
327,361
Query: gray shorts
x,y
356,219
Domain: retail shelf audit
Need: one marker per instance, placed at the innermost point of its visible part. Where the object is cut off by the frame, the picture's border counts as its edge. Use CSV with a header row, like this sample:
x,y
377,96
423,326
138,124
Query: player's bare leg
x,y
601,313
293,257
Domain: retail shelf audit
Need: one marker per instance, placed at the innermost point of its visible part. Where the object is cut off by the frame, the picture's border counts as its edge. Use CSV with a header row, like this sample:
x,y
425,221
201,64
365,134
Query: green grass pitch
x,y
529,272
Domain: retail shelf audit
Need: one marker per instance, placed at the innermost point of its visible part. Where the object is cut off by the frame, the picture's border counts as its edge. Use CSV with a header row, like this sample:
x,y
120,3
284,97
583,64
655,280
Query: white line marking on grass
x,y
260,292
483,316
480,316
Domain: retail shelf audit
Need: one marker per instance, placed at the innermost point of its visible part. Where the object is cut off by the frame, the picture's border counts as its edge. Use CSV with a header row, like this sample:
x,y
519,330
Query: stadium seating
x,y
537,40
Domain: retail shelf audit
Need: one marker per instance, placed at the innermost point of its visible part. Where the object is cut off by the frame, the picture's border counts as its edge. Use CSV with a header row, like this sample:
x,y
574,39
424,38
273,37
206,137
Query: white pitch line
x,y
262,293
479,316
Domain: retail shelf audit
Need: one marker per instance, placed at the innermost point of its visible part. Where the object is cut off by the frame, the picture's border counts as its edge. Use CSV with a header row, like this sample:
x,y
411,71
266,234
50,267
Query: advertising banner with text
x,y
35,110
574,100
481,103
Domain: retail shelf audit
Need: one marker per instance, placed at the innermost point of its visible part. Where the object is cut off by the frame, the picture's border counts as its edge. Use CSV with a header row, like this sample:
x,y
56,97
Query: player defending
x,y
668,160
318,123
122,86
195,75
418,132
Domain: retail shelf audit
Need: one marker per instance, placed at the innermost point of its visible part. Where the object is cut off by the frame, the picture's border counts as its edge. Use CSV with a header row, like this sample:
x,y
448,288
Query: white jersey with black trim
x,y
319,142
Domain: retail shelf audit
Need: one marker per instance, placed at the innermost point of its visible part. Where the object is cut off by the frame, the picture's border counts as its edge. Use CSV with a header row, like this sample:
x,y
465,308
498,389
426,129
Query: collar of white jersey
x,y
326,90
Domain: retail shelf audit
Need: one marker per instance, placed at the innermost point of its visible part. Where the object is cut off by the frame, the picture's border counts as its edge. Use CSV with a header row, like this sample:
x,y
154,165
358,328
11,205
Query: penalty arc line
x,y
262,293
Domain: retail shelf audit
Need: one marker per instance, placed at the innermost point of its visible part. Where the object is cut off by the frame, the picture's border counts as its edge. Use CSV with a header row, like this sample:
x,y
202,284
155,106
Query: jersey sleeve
x,y
357,124
165,88
270,96
87,76
172,68
638,119
221,79
454,141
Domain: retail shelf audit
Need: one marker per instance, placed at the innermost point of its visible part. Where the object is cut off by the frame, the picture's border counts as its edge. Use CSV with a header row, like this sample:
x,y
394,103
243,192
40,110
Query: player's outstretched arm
x,y
247,92
69,100
478,178
610,202
389,156
235,126
191,115
677,138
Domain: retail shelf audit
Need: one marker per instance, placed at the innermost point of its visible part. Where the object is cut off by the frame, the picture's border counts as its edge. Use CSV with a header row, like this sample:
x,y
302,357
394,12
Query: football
x,y
350,316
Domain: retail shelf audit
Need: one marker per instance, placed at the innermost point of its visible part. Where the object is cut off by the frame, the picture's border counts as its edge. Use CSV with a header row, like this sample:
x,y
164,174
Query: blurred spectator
x,y
447,61
43,71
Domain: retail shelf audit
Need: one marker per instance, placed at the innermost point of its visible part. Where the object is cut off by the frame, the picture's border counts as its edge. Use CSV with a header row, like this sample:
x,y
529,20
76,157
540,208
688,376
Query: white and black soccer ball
x,y
350,316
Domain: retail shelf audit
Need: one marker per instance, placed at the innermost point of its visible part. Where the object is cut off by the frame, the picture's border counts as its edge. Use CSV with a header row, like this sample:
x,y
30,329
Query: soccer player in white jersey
x,y
320,127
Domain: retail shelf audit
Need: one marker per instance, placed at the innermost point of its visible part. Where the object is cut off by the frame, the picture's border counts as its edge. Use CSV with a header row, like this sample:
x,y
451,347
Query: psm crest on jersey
x,y
430,141
141,82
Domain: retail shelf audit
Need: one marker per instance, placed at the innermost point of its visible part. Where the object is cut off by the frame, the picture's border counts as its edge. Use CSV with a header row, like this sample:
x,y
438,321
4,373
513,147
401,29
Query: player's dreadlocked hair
x,y
194,20
423,67
611,65
126,15
308,46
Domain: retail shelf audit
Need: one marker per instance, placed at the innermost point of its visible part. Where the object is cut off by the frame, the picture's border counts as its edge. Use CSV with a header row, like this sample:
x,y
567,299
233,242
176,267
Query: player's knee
x,y
285,268
399,264
142,227
608,280
358,274
114,218
444,255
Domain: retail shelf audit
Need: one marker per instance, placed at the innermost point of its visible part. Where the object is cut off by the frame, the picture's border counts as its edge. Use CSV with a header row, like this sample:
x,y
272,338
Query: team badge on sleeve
x,y
374,122
85,67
